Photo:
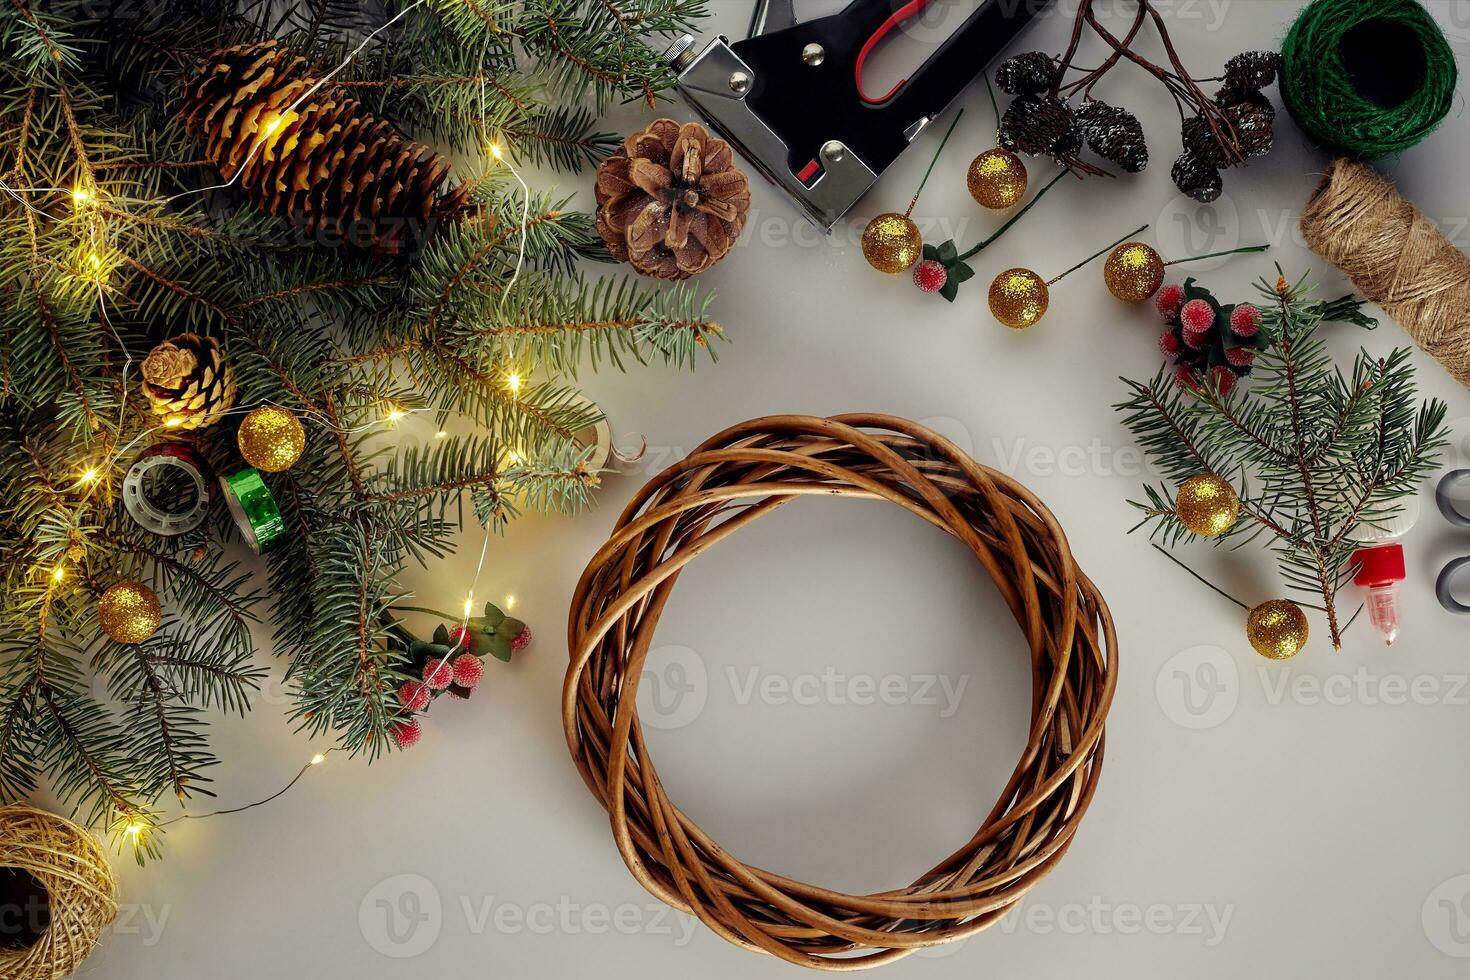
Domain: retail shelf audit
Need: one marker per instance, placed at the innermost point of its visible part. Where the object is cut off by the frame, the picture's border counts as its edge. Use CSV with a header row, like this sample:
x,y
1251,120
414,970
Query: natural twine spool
x,y
80,891
738,476
1396,257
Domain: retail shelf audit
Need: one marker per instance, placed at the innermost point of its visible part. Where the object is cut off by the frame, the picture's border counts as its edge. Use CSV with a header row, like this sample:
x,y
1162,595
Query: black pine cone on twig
x,y
1028,73
1197,178
1252,128
1114,133
1229,97
1037,125
1200,142
1251,71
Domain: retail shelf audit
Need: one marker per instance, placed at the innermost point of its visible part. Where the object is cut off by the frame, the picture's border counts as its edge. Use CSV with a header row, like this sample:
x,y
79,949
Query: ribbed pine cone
x,y
1199,142
328,164
1028,73
1253,130
1038,125
1251,71
671,201
1114,133
1228,97
1197,178
188,382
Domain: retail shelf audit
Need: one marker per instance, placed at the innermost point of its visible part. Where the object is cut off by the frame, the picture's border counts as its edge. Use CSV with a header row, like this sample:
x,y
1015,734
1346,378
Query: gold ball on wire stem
x,y
892,243
1207,505
271,439
1018,298
997,179
1133,272
1277,629
129,612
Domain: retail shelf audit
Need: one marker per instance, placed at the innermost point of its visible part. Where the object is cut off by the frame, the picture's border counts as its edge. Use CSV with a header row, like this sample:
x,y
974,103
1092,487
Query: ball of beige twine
x,y
81,892
1396,257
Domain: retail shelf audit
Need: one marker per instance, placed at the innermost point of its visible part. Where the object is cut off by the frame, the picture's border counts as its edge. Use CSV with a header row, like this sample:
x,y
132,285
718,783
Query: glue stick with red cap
x,y
1380,565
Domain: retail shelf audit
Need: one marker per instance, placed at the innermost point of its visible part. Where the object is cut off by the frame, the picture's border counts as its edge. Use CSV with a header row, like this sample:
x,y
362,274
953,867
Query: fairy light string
x,y
137,826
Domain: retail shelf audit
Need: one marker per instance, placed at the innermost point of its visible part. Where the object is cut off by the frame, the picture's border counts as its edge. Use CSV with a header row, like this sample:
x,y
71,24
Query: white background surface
x,y
1253,819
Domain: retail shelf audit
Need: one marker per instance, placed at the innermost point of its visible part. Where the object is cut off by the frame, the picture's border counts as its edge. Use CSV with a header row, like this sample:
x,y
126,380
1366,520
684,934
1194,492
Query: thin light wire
x,y
500,156
395,415
315,761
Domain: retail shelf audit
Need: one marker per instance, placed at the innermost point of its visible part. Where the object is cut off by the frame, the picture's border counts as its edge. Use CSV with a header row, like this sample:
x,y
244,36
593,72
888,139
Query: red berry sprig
x,y
1207,342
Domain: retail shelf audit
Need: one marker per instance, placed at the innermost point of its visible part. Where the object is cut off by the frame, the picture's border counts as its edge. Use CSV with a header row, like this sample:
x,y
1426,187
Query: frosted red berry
x,y
1169,300
406,734
1169,344
1240,356
1245,320
522,640
438,674
930,276
413,696
1185,377
467,670
1223,378
1197,316
1196,339
459,636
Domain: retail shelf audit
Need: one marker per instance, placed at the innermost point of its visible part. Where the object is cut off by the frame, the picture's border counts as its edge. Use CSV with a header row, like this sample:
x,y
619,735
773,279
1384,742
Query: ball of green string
x,y
1330,94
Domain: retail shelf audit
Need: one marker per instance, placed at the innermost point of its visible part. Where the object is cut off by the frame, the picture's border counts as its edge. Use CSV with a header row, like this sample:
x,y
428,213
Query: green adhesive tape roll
x,y
253,507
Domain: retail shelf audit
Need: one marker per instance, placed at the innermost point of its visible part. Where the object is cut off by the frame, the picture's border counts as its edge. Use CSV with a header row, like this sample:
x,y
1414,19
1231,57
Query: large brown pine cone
x,y
188,382
341,173
671,200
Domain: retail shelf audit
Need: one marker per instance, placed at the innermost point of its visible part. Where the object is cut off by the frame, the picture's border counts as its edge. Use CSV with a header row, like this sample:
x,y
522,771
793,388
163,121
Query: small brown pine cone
x,y
671,201
323,160
188,382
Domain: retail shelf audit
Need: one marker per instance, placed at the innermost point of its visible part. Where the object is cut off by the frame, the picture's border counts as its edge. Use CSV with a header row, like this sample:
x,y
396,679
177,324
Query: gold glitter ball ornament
x,y
1207,505
1018,298
271,439
892,243
1277,629
129,612
997,179
1133,272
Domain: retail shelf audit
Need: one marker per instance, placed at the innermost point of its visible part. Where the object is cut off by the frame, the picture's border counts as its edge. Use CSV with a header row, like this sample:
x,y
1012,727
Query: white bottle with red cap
x,y
1380,566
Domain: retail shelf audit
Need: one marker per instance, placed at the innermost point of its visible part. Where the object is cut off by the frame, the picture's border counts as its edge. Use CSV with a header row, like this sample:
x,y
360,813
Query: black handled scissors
x,y
1449,482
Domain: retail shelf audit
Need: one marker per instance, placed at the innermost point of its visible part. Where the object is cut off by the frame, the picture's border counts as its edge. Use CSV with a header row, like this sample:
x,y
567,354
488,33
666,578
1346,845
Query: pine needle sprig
x,y
1314,453
117,232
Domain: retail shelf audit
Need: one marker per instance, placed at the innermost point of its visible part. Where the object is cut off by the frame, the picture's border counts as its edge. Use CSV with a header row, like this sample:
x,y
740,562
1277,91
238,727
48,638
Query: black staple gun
x,y
790,97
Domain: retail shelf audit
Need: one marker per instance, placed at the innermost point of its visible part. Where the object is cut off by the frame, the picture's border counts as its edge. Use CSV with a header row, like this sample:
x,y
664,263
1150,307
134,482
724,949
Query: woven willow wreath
x,y
80,891
743,474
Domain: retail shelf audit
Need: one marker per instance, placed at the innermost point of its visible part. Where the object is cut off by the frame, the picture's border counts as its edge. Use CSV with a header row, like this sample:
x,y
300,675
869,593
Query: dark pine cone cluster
x,y
1249,113
1206,341
1039,122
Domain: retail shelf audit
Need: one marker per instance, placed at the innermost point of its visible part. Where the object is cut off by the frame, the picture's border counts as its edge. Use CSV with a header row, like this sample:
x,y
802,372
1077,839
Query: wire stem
x,y
1015,217
1105,248
1213,255
1167,554
994,106
955,122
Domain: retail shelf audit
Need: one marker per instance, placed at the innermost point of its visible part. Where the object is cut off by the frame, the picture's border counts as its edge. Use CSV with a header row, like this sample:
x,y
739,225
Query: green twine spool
x,y
1367,77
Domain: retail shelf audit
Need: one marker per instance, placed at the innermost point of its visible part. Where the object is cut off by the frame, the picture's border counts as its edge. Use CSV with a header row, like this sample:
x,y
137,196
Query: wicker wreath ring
x,y
740,475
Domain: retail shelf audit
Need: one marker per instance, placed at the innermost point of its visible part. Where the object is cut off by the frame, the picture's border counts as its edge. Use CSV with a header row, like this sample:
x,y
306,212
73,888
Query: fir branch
x,y
1327,453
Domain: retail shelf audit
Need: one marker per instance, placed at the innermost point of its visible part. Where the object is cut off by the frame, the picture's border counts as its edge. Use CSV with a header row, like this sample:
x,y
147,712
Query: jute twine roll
x,y
81,892
743,474
1396,257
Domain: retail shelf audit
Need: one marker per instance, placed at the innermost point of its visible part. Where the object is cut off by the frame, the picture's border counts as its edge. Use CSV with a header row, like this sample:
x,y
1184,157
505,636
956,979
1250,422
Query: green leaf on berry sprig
x,y
956,270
